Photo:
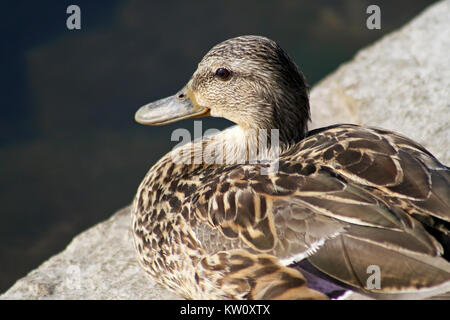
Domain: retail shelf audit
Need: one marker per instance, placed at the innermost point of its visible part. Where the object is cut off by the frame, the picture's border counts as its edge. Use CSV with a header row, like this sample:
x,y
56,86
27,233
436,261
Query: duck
x,y
267,209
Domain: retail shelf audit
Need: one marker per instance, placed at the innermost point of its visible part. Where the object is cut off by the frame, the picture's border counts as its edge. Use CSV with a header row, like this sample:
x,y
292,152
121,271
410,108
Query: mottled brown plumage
x,y
342,198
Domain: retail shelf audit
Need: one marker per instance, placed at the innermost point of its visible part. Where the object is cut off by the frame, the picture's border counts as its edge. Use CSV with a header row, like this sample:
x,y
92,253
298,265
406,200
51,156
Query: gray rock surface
x,y
100,263
401,82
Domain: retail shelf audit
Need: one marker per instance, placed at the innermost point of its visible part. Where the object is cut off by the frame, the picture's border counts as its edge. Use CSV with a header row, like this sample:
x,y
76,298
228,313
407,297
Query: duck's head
x,y
249,80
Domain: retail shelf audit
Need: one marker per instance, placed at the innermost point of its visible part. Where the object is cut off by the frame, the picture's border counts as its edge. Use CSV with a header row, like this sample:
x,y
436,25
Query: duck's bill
x,y
168,110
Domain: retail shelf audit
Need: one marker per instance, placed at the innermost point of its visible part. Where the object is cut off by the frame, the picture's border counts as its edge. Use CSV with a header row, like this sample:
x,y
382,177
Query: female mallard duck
x,y
333,202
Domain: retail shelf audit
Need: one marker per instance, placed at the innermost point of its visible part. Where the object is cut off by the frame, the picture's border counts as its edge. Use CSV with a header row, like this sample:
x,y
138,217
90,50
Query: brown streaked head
x,y
249,80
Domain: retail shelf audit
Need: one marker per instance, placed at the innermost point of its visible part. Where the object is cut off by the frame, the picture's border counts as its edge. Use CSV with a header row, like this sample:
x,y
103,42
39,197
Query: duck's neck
x,y
291,118
233,145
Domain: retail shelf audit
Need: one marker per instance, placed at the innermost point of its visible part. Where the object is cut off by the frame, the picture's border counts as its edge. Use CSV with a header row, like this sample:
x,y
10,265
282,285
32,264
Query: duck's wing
x,y
409,180
394,166
346,199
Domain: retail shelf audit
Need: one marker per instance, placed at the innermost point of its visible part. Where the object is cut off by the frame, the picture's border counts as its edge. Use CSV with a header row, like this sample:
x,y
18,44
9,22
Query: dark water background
x,y
70,152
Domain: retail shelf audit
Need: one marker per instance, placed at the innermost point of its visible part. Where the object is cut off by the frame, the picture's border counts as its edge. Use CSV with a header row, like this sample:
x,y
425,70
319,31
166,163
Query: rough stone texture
x,y
401,82
100,263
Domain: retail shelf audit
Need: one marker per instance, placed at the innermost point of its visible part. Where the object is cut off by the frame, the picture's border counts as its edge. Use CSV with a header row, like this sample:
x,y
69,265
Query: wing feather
x,y
345,197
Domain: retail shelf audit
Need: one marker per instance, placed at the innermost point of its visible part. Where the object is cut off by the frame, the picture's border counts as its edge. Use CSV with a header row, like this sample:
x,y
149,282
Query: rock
x,y
100,263
401,83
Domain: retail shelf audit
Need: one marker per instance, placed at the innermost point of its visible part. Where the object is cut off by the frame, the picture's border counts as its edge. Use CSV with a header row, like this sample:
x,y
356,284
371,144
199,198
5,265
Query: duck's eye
x,y
223,73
